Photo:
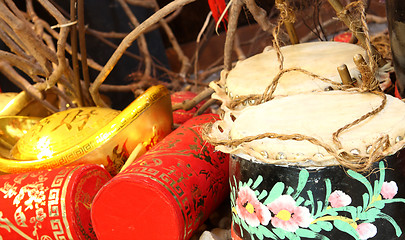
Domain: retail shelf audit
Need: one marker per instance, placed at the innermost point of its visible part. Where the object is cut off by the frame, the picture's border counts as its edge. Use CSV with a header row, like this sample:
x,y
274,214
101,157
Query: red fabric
x,y
168,192
217,8
180,116
50,204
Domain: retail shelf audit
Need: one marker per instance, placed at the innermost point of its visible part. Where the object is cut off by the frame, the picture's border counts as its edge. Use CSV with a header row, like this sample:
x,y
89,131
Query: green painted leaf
x,y
249,183
327,226
292,236
398,230
257,192
398,200
259,234
366,200
315,227
245,226
319,207
240,185
378,204
377,189
361,179
302,232
307,203
345,227
311,199
302,181
274,193
257,182
262,195
279,232
290,190
382,178
266,232
299,201
328,188
353,211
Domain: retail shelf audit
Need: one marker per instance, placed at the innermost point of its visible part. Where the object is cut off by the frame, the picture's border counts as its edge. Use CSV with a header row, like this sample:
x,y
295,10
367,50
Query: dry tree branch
x,y
82,44
91,63
33,45
230,36
142,44
75,46
185,61
30,68
127,41
19,81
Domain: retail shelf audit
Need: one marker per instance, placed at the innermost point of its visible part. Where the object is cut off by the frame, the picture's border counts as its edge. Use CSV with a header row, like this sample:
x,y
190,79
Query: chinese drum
x,y
50,204
316,165
92,135
168,192
309,160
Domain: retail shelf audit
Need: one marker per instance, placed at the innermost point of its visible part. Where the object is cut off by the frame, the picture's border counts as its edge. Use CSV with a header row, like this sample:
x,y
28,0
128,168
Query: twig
x,y
185,61
143,46
82,44
360,35
189,104
230,36
91,63
19,81
205,106
28,67
33,45
75,61
238,49
126,42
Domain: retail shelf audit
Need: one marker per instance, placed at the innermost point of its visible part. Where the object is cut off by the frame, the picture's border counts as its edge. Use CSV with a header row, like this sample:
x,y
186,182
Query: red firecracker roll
x,y
180,116
50,204
168,192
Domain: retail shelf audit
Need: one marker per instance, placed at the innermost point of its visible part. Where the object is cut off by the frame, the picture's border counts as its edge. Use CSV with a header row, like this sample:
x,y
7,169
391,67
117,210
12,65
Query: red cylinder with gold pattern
x,y
50,204
166,193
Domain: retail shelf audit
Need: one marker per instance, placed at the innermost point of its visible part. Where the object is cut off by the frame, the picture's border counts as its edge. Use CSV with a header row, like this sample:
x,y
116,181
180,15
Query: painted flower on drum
x,y
339,199
389,190
250,209
288,216
366,231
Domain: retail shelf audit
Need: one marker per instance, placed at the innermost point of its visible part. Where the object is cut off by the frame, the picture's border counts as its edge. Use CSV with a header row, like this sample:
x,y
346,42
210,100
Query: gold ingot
x,y
12,128
93,135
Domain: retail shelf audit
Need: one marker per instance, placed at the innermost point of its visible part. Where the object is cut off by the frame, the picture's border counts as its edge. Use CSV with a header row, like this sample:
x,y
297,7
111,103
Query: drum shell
x,y
319,191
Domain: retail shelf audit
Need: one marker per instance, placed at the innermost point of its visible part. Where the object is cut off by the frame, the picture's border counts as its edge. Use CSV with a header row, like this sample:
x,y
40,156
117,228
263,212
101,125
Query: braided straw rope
x,y
369,84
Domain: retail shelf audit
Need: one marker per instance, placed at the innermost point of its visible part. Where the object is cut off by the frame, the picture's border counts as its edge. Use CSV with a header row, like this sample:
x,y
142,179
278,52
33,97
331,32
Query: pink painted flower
x,y
339,199
389,190
250,209
288,216
366,231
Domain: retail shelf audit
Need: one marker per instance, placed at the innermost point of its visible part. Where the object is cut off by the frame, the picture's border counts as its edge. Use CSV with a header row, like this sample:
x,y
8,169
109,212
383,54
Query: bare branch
x,y
127,42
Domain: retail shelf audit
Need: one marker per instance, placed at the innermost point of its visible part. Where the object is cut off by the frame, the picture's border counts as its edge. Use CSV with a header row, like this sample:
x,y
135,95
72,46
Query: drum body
x,y
273,202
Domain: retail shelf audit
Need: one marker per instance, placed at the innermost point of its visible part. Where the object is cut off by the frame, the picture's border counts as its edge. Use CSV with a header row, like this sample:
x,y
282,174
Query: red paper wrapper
x,y
180,116
50,204
168,192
